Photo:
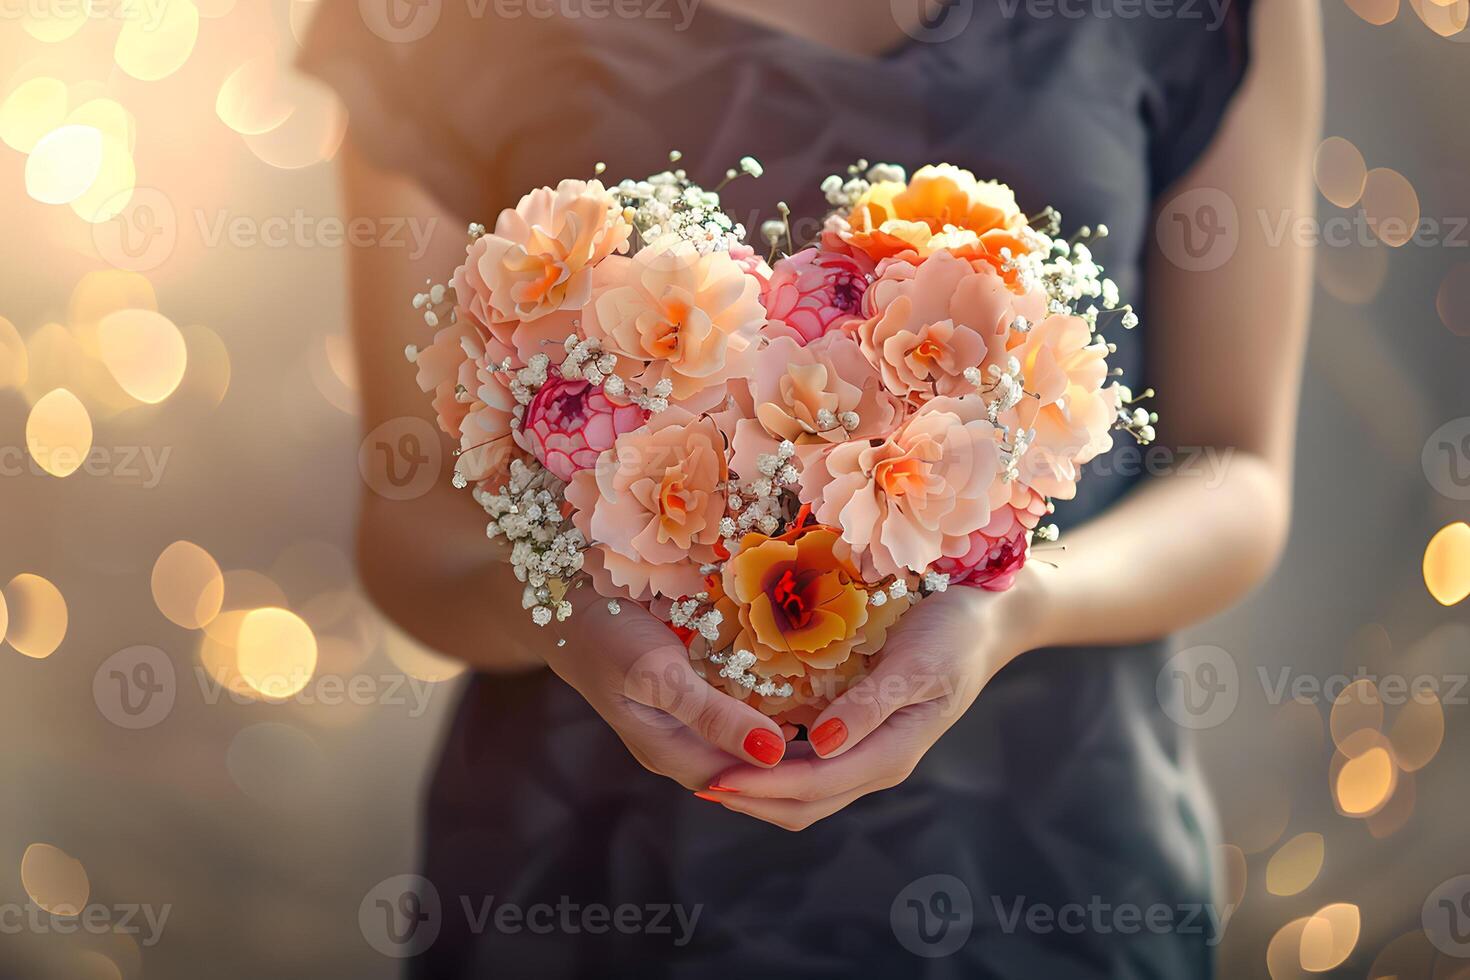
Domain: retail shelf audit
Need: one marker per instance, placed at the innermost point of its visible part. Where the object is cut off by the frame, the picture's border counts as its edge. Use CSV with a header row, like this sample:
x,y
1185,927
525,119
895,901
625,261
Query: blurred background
x,y
214,747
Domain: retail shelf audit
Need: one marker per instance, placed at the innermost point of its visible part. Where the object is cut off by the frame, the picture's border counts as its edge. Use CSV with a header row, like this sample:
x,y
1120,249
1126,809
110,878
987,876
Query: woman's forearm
x,y
1179,549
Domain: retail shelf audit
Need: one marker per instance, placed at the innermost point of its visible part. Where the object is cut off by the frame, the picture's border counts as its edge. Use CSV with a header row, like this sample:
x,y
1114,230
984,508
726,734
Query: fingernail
x,y
708,796
764,745
828,737
717,788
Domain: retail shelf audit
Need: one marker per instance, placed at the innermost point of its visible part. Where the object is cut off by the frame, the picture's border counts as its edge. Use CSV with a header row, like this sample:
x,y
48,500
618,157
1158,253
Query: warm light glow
x,y
187,585
53,21
1340,171
1356,708
312,133
4,617
1376,12
1364,782
1447,18
276,652
144,351
1391,205
37,614
253,100
1394,814
209,364
33,109
14,363
59,433
1284,952
1447,564
64,163
417,660
54,879
1295,865
1329,936
150,48
1417,731
104,291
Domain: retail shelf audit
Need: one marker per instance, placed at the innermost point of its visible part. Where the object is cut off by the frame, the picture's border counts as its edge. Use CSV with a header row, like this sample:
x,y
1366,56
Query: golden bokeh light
x,y
217,644
54,879
1452,301
14,362
63,164
38,616
1357,707
1295,865
311,134
253,98
144,351
1406,957
154,47
1340,171
34,108
187,585
1284,952
1391,206
108,117
104,291
1330,936
1447,18
418,661
208,375
1390,818
92,965
275,652
1375,12
54,21
59,433
1231,860
1417,731
4,617
1363,782
1447,564
1353,273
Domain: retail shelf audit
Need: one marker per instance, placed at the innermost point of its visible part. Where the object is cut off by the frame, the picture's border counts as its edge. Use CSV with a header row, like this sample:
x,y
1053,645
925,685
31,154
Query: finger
x,y
886,759
663,679
790,815
679,755
900,679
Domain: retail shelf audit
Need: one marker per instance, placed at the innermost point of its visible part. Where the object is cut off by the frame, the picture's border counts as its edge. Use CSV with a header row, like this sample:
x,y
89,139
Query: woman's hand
x,y
936,661
635,673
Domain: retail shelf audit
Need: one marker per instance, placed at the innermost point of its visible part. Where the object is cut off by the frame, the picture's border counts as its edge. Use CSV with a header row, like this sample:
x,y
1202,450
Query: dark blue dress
x,y
1066,796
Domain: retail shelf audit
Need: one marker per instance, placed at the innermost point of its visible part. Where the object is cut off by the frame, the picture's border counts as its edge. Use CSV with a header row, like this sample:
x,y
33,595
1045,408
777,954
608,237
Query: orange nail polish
x,y
717,788
708,796
828,737
765,746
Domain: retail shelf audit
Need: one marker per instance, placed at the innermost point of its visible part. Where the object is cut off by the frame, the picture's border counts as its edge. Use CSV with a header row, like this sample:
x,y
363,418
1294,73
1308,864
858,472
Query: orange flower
x,y
941,207
802,603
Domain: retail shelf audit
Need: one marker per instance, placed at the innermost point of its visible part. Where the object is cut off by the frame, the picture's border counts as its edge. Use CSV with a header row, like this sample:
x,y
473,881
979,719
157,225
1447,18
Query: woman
x,y
1051,794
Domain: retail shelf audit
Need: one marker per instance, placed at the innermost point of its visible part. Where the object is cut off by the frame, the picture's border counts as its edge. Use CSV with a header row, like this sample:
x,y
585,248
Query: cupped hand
x,y
635,673
932,667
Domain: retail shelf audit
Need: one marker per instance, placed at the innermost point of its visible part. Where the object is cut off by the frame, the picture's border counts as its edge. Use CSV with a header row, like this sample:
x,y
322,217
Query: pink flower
x,y
995,553
653,505
568,424
539,258
906,500
672,313
816,291
480,420
933,320
753,265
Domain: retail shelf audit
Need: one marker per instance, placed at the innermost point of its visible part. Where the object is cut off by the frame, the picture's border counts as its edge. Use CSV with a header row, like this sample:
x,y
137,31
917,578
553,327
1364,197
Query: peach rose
x,y
653,504
932,321
480,420
941,207
904,501
800,393
1072,410
801,602
540,257
677,314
